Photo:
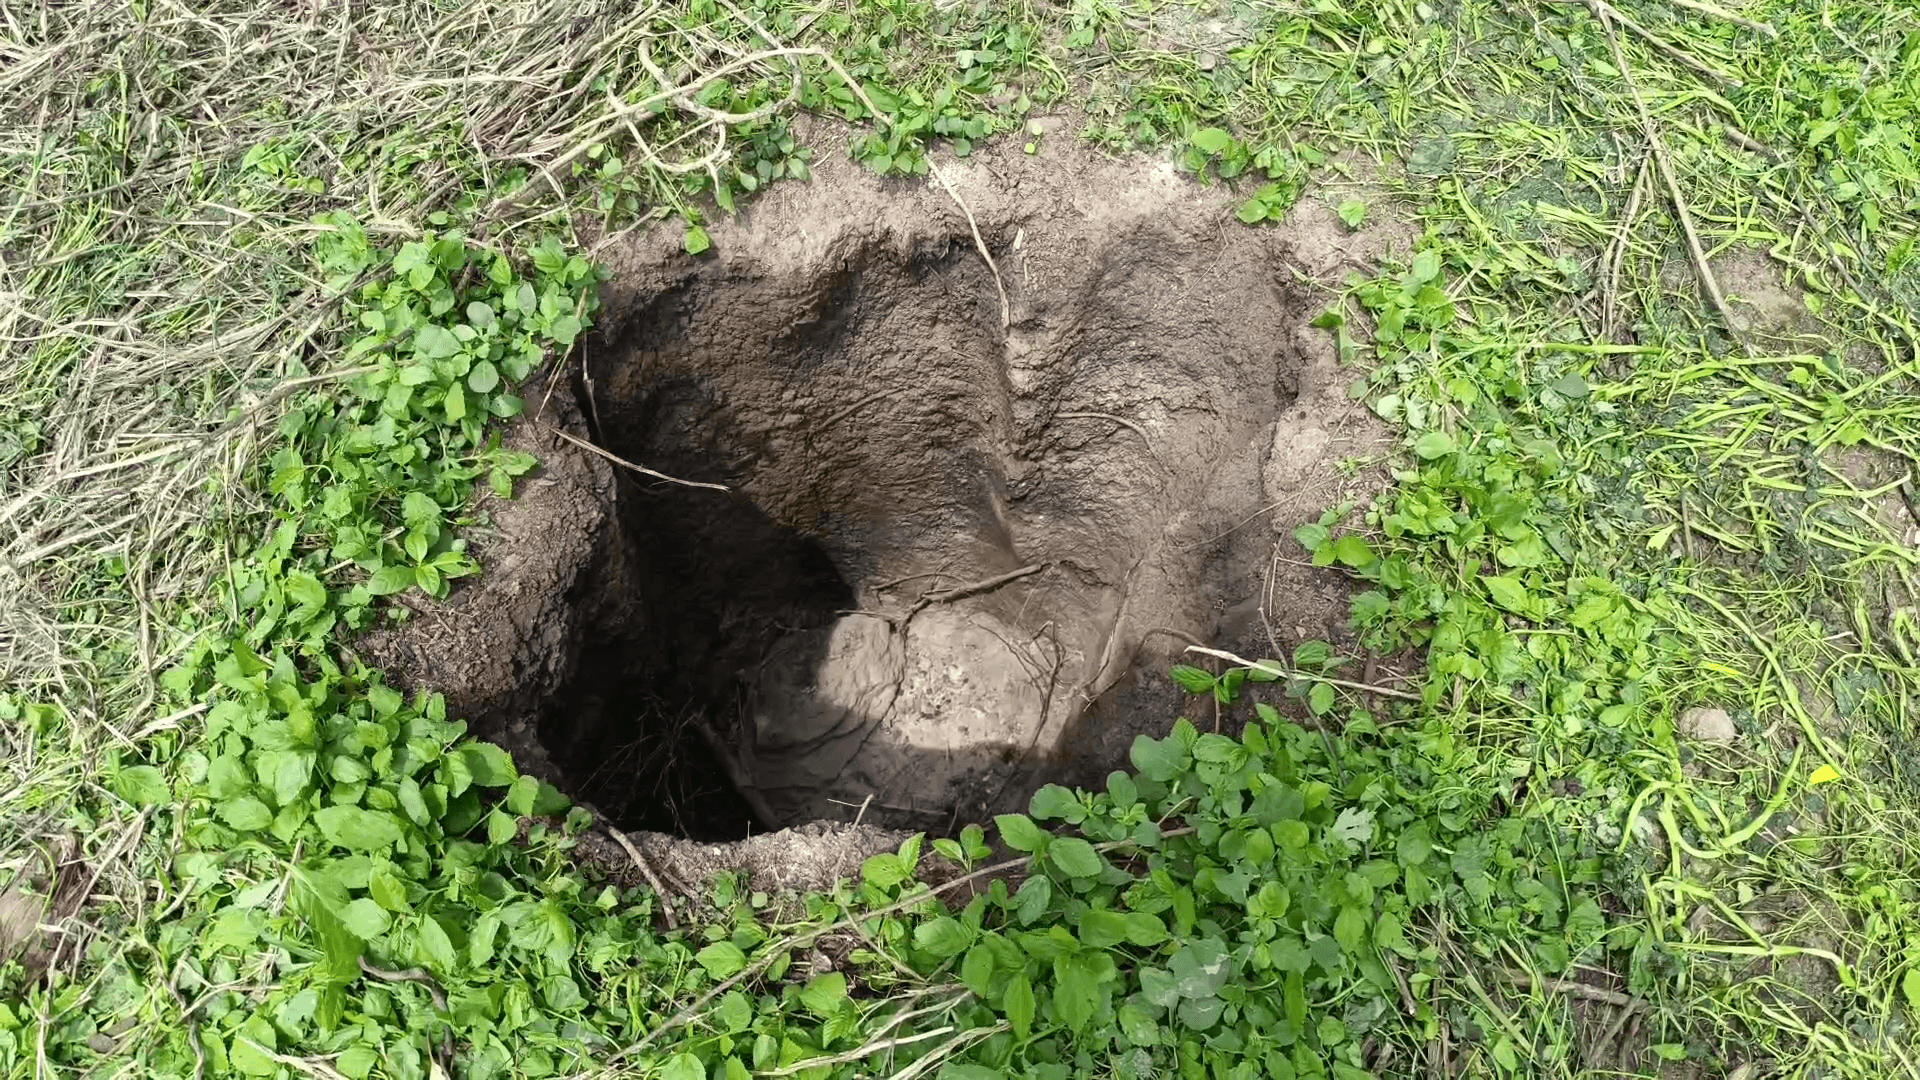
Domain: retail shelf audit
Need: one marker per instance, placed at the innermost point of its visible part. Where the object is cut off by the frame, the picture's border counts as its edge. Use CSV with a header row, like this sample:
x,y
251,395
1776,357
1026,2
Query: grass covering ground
x,y
265,269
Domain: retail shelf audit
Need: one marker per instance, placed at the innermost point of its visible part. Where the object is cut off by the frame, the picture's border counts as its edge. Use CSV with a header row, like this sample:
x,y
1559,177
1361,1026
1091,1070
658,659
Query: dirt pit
x,y
968,522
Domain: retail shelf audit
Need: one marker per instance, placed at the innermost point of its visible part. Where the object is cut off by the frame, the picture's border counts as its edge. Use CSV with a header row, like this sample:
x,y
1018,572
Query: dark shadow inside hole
x,y
657,699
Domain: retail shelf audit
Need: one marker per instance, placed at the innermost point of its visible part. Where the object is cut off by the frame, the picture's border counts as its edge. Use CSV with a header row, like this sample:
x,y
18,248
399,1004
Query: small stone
x,y
1708,724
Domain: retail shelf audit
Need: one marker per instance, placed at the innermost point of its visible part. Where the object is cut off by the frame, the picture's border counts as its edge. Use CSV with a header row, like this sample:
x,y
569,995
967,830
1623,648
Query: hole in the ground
x,y
643,729
958,551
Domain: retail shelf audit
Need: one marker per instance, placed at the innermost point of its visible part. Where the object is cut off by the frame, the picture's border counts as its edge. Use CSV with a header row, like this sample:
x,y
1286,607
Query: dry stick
x,y
1006,311
1617,257
1273,667
623,462
1716,12
1604,11
421,976
1711,283
802,940
646,869
1576,990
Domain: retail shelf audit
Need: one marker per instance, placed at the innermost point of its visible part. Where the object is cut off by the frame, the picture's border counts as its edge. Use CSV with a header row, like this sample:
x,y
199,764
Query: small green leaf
x,y
696,240
484,378
435,945
976,971
1019,832
1353,551
822,995
1508,592
683,1066
246,813
389,580
142,785
1192,679
1018,1004
366,919
1825,774
1076,857
489,765
1320,698
357,828
1212,140
1433,444
564,330
1667,1051
941,937
721,959
1426,267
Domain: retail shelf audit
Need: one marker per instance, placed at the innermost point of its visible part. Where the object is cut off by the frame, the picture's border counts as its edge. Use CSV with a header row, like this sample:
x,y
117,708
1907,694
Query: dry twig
x,y
1006,310
1681,213
646,870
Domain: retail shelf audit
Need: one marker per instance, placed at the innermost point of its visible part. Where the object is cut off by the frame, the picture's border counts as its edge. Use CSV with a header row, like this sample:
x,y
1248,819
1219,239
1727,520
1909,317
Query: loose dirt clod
x,y
959,548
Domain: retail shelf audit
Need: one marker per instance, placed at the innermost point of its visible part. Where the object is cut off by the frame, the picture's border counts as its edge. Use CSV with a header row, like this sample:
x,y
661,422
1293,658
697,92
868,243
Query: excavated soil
x,y
962,539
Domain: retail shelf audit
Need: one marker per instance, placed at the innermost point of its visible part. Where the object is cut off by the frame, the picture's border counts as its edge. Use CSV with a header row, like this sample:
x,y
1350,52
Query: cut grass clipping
x,y
268,275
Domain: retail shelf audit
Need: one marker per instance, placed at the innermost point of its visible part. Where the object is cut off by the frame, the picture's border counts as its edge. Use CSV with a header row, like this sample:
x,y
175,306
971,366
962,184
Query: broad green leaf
x,y
1212,140
1426,266
1145,929
366,919
1200,1014
1508,592
142,785
1320,698
1102,929
435,342
976,971
683,1066
1077,982
1201,968
1350,928
1019,832
1159,987
721,959
1055,802
735,1012
696,240
1192,679
823,993
1434,444
435,945
246,813
389,580
564,330
1033,898
1075,856
941,937
488,765
1353,551
1353,828
357,828
1159,759
1018,1004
